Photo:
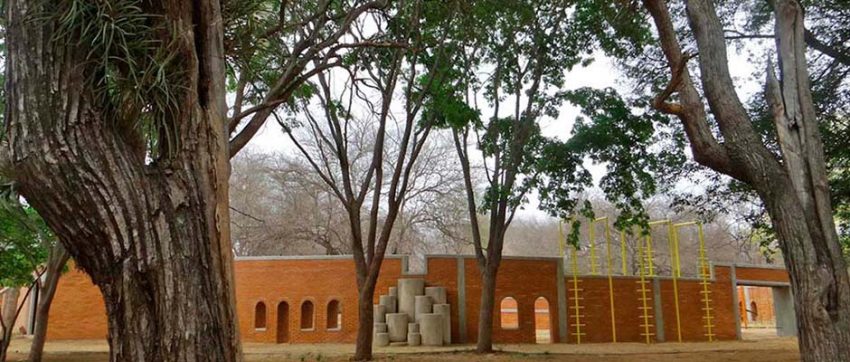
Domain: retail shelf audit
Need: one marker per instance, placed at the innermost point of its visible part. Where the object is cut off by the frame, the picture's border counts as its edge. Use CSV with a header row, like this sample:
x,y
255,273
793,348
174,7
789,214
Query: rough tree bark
x,y
794,186
8,314
153,235
56,261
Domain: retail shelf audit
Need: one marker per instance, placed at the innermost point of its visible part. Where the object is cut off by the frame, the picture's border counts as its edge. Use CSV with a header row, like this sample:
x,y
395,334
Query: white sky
x,y
599,74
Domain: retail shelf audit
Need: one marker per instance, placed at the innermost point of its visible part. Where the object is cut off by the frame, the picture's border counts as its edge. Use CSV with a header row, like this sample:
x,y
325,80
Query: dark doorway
x,y
283,322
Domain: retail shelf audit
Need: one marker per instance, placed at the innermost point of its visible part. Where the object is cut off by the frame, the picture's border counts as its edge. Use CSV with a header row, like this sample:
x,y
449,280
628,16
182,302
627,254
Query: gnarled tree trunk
x,y
794,186
152,234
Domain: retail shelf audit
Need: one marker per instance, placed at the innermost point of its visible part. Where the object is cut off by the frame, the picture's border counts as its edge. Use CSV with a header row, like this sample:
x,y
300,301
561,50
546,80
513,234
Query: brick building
x,y
314,300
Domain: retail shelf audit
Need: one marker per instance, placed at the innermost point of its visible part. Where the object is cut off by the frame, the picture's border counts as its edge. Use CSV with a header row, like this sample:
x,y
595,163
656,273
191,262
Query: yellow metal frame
x,y
673,239
644,298
592,242
577,307
608,263
704,275
623,253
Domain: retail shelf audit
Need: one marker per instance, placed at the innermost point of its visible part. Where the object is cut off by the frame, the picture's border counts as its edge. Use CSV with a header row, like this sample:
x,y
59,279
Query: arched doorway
x,y
542,321
283,322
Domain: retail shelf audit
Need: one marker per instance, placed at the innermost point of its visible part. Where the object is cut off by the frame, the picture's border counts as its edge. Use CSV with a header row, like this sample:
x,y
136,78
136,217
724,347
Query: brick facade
x,y
283,285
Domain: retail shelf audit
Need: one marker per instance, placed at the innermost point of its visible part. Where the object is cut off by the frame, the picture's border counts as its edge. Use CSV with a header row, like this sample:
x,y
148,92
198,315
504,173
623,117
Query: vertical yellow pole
x,y
592,241
610,281
678,269
561,240
705,274
623,250
673,237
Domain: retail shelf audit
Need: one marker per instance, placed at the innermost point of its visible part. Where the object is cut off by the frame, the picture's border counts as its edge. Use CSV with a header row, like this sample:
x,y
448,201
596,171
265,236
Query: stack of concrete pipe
x,y
411,314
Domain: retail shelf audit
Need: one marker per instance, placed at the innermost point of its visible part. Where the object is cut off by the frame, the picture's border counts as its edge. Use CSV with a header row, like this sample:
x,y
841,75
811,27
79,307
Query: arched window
x,y
260,316
307,315
754,311
542,322
334,315
509,313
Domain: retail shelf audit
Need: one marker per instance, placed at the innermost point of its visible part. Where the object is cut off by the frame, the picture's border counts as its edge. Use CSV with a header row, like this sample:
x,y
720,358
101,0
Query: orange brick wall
x,y
78,311
596,304
318,281
763,298
522,279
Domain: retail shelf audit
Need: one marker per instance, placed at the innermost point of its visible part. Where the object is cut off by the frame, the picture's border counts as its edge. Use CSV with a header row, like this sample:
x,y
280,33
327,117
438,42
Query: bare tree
x,y
373,186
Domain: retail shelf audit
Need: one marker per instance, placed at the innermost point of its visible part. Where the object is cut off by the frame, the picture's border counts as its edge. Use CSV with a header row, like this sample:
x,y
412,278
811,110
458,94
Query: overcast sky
x,y
599,74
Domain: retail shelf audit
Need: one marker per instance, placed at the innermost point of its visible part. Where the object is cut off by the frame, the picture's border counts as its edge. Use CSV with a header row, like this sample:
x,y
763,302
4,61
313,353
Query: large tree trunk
x,y
10,307
802,211
794,188
9,315
365,321
152,234
56,261
487,308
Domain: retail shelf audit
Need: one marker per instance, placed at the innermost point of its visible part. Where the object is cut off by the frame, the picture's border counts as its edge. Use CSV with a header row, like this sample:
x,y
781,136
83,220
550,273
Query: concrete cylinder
x,y
408,289
423,305
414,339
431,329
381,339
413,328
379,313
394,292
438,294
445,310
390,302
397,326
380,328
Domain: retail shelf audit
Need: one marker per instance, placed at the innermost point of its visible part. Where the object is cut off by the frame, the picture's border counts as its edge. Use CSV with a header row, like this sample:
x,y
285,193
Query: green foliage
x,y
135,72
23,240
641,150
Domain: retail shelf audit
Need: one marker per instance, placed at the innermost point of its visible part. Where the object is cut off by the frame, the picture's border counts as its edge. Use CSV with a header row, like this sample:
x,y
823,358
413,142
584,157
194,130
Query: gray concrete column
x,y
388,301
393,291
382,339
397,327
461,299
783,310
431,329
437,294
408,289
380,328
562,304
422,305
736,309
446,311
380,313
658,309
414,339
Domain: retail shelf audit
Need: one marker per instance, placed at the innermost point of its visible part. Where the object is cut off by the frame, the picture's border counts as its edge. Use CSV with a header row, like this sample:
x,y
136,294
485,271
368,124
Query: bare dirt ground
x,y
755,347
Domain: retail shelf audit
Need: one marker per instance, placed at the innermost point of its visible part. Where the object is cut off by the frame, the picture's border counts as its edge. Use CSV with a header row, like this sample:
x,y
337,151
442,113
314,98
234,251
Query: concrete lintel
x,y
750,265
761,283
